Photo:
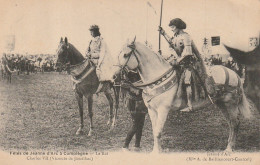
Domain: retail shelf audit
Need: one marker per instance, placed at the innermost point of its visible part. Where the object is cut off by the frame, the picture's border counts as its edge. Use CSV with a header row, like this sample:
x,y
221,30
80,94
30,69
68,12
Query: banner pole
x,y
160,52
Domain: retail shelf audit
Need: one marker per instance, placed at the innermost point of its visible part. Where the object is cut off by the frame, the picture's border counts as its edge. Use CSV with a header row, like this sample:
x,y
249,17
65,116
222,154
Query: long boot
x,y
189,97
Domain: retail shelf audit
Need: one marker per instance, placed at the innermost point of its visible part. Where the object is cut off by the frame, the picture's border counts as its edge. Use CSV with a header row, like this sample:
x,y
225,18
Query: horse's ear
x,y
61,40
66,40
134,40
132,46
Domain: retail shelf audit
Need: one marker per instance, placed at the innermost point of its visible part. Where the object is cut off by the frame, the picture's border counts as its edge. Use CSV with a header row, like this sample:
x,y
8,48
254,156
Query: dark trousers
x,y
138,118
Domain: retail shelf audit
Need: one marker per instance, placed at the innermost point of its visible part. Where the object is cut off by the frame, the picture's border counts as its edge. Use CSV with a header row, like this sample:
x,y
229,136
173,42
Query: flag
x,y
9,42
215,40
150,5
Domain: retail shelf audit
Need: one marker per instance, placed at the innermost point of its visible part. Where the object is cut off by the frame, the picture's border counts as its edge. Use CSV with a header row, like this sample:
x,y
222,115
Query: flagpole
x,y
160,52
146,25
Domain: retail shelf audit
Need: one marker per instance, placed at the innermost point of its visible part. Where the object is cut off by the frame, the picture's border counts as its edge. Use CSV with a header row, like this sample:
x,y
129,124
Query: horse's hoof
x,y
188,109
108,122
228,150
155,152
90,133
137,149
79,132
113,123
125,149
166,150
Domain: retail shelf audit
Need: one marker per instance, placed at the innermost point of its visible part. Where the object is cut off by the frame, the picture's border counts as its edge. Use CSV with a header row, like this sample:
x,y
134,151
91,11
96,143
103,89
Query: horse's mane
x,y
75,50
151,52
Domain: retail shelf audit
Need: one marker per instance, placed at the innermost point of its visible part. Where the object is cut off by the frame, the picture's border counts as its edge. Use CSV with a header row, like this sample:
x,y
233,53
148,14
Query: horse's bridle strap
x,y
94,58
161,89
129,56
74,66
153,81
84,76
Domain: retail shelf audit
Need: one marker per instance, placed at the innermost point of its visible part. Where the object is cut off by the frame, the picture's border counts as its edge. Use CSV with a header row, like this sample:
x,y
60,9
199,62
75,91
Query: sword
x,y
203,85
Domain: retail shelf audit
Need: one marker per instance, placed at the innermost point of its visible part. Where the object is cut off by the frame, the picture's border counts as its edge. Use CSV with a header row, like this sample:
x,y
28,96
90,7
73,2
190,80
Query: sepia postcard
x,y
129,82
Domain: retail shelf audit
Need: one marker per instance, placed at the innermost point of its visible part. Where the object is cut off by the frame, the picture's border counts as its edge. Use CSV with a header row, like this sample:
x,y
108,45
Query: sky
x,y
38,25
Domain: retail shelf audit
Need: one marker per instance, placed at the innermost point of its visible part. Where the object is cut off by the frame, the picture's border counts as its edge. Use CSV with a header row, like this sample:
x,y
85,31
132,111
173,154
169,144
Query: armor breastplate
x,y
178,44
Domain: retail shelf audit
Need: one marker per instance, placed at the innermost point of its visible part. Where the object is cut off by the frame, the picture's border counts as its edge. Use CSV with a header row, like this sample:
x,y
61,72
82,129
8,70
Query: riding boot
x,y
189,97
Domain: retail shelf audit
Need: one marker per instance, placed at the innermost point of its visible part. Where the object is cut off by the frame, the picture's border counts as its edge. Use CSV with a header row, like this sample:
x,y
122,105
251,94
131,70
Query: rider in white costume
x,y
99,54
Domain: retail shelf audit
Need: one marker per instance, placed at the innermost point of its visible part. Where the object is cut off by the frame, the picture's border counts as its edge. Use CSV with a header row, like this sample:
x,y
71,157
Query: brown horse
x,y
85,82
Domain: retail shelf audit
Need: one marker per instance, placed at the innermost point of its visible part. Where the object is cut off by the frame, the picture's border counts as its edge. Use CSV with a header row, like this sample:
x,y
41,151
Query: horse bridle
x,y
123,68
66,58
132,47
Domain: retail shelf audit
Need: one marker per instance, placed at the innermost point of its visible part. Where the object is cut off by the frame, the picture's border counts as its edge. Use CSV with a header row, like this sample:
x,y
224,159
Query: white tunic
x,y
98,49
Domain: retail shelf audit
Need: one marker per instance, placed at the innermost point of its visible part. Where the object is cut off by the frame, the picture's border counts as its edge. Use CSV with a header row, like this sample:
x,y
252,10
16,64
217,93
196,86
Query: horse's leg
x,y
162,113
117,93
231,113
2,75
110,100
79,98
153,116
90,114
233,128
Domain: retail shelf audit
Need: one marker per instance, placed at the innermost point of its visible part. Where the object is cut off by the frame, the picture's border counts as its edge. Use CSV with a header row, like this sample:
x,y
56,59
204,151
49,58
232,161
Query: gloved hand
x,y
88,54
160,29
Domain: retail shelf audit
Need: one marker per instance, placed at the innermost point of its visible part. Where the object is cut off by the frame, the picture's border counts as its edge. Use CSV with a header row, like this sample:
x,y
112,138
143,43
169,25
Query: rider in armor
x,y
99,54
184,47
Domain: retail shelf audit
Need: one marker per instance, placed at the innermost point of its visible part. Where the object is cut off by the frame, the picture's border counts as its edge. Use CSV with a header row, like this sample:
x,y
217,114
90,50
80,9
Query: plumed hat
x,y
94,27
178,23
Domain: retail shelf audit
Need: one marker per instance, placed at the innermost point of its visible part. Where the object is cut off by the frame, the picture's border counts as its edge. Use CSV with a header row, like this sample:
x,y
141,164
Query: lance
x,y
160,26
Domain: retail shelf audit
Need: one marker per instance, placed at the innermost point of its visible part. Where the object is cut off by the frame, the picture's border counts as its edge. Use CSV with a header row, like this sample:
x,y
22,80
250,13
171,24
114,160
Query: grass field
x,y
39,112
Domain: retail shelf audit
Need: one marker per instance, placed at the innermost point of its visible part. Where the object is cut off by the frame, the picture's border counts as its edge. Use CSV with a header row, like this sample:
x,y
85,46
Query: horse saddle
x,y
217,84
81,71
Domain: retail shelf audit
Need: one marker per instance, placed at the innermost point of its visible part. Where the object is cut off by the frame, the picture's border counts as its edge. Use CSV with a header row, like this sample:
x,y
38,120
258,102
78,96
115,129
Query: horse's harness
x,y
66,58
83,72
132,47
154,87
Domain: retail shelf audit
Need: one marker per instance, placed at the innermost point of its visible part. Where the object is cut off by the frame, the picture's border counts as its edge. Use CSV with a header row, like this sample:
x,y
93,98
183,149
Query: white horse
x,y
161,94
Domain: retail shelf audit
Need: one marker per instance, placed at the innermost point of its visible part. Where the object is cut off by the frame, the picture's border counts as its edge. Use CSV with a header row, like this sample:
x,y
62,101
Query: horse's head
x,y
68,54
127,58
63,52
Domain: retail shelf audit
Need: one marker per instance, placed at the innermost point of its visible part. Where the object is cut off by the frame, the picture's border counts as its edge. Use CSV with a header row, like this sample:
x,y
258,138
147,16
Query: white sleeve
x,y
103,50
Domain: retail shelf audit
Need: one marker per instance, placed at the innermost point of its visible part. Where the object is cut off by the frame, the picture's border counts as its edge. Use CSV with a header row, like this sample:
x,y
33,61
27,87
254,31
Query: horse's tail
x,y
244,105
